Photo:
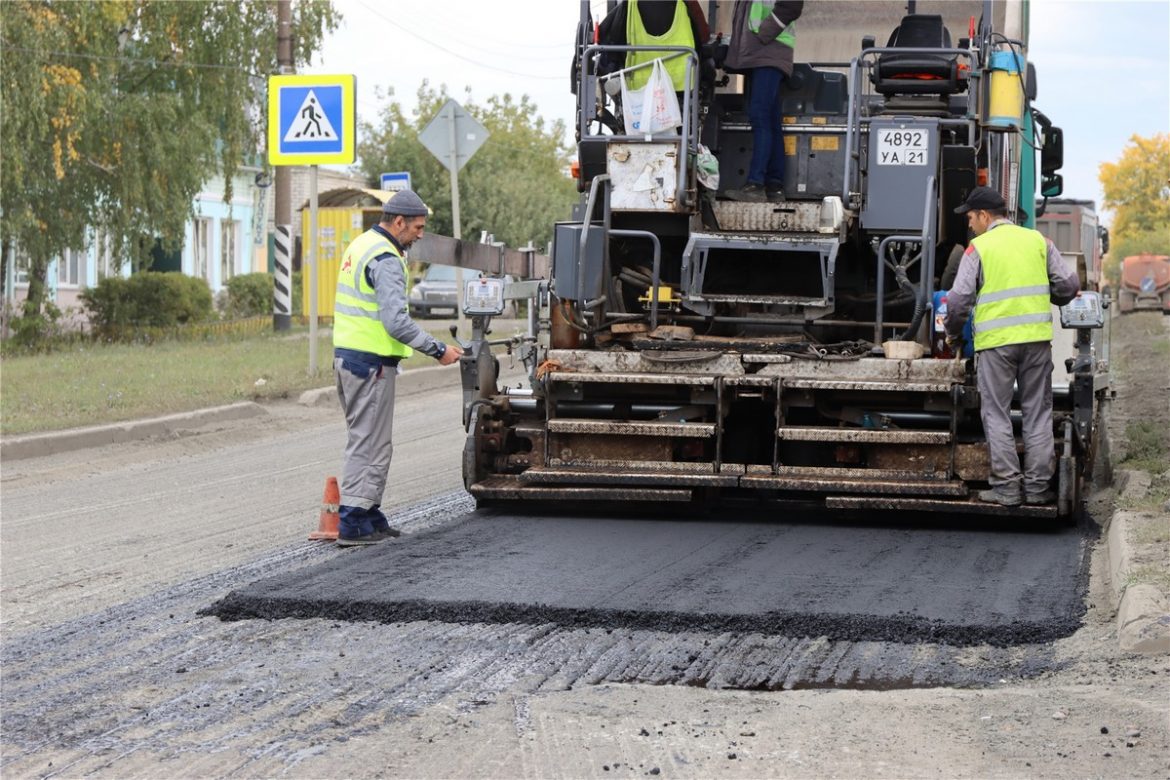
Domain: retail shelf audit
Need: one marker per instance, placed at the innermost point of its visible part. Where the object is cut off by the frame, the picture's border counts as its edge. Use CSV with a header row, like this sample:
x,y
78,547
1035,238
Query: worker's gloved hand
x,y
452,354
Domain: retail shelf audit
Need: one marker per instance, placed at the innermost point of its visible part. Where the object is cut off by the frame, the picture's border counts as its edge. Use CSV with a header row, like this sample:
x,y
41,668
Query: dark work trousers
x,y
366,392
1030,367
767,164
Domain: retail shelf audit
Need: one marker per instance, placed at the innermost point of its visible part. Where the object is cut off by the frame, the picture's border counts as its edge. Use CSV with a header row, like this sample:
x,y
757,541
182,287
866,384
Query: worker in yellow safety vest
x,y
653,23
372,332
1011,276
763,40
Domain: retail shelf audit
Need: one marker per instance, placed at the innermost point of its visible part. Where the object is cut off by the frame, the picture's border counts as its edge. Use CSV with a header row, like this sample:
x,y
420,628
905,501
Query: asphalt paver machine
x,y
700,348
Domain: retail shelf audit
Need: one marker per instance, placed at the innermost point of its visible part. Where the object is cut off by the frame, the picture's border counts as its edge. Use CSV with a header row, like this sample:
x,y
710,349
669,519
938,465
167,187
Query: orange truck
x,y
1145,283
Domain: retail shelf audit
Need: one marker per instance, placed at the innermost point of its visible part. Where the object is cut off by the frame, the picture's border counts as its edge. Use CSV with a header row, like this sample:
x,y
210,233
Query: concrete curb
x,y
39,444
1143,617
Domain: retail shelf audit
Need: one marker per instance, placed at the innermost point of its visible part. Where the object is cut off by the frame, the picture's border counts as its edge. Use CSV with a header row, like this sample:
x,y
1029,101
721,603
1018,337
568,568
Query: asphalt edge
x,y
39,444
1143,617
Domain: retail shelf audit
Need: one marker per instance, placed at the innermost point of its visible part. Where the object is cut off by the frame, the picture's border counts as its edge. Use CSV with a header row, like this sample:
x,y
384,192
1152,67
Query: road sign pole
x,y
453,166
312,240
282,279
283,190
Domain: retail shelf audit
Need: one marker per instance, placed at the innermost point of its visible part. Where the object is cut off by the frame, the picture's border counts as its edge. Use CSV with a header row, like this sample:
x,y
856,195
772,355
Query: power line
x,y
456,54
118,58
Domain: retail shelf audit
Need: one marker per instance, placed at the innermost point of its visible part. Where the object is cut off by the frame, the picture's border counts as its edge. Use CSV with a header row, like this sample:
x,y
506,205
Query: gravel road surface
x,y
109,555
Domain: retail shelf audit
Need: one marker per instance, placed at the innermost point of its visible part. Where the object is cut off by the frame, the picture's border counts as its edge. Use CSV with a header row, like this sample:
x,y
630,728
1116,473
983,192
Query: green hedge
x,y
249,295
148,299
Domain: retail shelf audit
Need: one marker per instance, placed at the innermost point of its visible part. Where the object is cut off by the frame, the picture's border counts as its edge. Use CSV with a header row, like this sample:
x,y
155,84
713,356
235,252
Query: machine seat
x,y
918,74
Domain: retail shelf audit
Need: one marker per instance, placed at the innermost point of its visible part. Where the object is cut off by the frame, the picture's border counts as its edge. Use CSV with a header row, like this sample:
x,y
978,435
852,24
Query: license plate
x,y
902,147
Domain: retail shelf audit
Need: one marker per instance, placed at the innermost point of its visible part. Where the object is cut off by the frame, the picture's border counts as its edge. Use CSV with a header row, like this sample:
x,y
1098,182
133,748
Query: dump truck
x,y
1145,283
701,349
1073,226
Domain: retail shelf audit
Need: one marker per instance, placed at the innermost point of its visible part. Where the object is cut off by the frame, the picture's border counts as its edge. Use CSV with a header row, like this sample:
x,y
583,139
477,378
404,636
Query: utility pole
x,y
283,185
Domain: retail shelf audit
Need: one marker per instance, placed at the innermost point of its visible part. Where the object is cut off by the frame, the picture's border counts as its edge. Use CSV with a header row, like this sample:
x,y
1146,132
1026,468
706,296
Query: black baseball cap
x,y
982,198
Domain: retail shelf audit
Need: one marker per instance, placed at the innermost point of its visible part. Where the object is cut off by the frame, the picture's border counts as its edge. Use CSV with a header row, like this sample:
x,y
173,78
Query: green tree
x,y
1137,186
115,113
1137,191
515,187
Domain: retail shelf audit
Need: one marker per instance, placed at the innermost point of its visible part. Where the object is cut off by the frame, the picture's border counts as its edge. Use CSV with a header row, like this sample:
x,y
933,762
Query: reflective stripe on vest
x,y
1013,305
761,11
679,34
356,324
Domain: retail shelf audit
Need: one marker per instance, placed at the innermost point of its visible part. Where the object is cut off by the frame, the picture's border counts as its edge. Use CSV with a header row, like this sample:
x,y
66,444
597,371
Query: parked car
x,y
434,292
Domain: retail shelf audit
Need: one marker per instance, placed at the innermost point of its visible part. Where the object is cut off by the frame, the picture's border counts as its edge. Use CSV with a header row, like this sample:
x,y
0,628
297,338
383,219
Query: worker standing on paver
x,y
1011,275
372,332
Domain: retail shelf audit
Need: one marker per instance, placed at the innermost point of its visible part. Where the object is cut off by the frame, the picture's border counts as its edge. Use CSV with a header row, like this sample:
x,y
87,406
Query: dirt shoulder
x,y
1139,429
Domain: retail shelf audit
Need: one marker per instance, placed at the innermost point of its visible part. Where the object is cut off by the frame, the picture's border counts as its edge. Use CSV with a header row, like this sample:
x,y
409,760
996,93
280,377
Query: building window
x,y
69,267
201,254
228,240
20,266
104,265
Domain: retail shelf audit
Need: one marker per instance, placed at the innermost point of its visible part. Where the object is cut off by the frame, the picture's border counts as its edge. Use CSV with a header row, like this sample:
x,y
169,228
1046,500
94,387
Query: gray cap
x,y
406,203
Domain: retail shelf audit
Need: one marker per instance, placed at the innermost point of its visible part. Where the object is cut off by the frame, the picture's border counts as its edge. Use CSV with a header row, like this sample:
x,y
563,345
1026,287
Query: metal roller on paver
x,y
699,348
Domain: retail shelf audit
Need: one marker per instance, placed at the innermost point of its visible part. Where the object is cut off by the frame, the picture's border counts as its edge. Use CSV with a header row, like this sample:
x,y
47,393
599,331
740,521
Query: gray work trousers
x,y
1030,367
369,420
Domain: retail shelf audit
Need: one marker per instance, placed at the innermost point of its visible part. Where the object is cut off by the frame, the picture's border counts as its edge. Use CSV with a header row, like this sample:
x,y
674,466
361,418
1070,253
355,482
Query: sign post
x,y
312,121
453,136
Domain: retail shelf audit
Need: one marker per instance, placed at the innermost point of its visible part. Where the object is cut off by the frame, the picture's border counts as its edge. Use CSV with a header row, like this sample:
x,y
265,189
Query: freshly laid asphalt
x,y
877,578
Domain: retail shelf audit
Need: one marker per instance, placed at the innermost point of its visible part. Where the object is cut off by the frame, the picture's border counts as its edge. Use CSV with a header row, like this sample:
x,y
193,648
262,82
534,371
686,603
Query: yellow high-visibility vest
x,y
679,34
1013,305
761,11
356,324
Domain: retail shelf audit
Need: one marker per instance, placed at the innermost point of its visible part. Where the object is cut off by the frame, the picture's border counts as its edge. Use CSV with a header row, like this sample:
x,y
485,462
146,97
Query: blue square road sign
x,y
311,120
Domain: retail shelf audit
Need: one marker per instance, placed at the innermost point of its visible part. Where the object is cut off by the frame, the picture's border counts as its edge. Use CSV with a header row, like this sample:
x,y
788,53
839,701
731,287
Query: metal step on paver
x,y
862,435
593,476
632,428
830,485
970,506
507,488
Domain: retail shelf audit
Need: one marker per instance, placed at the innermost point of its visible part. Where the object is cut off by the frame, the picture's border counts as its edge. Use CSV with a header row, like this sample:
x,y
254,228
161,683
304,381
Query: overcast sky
x,y
1103,67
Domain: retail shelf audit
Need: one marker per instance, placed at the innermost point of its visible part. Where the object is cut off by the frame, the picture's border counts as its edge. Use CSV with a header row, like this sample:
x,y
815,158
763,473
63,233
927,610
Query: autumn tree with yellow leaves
x,y
1137,191
115,113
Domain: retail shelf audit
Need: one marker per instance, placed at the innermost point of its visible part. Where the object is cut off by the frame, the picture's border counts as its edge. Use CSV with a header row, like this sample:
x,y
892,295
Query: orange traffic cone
x,y
330,520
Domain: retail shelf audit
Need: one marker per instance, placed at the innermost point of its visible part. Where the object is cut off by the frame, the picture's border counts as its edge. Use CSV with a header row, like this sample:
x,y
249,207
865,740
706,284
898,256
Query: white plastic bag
x,y
654,107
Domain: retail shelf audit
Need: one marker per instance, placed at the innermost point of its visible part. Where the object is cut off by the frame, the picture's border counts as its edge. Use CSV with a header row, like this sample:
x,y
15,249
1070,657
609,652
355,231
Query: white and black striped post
x,y
282,288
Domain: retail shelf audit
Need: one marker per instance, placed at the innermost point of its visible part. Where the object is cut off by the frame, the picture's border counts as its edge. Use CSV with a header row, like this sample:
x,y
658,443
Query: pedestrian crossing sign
x,y
311,120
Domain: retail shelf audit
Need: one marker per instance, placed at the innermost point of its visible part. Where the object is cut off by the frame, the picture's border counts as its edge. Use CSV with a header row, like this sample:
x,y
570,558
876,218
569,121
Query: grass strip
x,y
94,384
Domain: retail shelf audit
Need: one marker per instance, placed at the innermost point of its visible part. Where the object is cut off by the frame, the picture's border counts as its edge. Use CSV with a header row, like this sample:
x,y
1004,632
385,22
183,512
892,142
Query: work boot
x,y
775,195
1002,496
1040,499
359,541
751,193
381,534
